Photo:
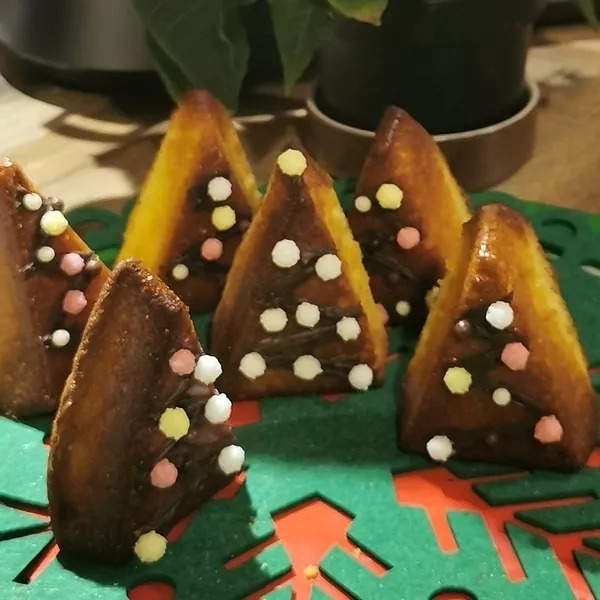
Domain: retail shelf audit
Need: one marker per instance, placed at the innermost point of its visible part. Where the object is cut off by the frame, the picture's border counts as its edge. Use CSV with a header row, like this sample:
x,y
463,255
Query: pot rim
x,y
534,98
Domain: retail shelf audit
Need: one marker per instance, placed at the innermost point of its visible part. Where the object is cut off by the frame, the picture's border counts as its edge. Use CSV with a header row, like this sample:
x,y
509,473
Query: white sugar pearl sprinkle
x,y
348,328
403,308
218,409
208,369
60,338
440,448
501,396
285,254
253,365
307,367
180,272
6,162
273,319
219,189
32,201
231,459
53,223
361,377
362,204
328,267
307,314
499,314
45,254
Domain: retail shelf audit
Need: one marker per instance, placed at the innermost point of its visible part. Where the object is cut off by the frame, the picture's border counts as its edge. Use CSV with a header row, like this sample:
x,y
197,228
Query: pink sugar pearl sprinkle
x,y
408,237
74,302
163,474
72,263
515,356
212,249
548,430
183,362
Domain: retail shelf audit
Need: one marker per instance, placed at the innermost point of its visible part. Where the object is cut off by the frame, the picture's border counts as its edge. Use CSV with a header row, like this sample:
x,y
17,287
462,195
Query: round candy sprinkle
x,y
45,254
150,547
163,474
501,396
72,264
60,338
515,356
253,365
307,367
385,317
348,328
180,272
285,254
208,369
403,308
362,204
273,319
6,162
174,423
462,328
458,380
32,201
231,459
491,439
217,409
328,267
53,223
499,314
211,249
182,362
74,302
408,237
361,377
548,430
219,189
223,218
440,448
389,196
307,314
292,162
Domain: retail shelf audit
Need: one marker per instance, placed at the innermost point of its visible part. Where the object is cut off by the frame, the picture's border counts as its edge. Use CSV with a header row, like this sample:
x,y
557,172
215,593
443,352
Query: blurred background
x,y
510,88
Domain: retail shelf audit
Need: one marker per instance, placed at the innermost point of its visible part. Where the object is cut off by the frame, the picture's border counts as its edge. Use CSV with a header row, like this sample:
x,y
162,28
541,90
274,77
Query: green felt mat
x,y
344,453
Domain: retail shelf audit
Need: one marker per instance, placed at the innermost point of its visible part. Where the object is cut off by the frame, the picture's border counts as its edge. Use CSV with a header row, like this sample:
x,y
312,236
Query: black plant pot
x,y
455,65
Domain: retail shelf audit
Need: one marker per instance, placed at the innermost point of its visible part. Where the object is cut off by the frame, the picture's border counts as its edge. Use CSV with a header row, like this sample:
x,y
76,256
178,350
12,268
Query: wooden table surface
x,y
85,147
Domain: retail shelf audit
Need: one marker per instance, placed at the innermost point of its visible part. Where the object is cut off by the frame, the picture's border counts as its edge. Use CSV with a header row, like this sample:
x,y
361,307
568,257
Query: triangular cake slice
x,y
196,203
49,282
498,374
141,436
297,315
407,216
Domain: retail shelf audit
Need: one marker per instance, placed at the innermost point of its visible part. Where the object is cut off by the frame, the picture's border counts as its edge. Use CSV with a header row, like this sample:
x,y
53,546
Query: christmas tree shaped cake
x,y
49,282
407,216
498,374
195,204
137,446
297,315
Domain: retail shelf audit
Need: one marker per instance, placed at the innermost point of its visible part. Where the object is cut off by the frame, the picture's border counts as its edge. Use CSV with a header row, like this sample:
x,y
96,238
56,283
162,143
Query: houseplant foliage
x,y
203,43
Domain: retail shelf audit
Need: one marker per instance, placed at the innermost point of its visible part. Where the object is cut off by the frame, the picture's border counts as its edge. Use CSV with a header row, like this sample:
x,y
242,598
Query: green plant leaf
x,y
172,76
369,11
300,28
588,8
204,39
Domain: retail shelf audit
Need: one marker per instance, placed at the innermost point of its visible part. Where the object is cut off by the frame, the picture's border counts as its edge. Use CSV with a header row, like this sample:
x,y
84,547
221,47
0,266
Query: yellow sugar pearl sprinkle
x,y
458,380
174,423
150,547
54,223
223,218
389,196
292,162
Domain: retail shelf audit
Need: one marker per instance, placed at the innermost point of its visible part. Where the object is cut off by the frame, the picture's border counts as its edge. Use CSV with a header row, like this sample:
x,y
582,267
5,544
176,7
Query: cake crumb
x,y
311,572
357,552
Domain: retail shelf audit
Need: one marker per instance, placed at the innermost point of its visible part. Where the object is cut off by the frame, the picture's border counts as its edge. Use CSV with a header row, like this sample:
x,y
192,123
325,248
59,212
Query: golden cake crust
x,y
500,259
